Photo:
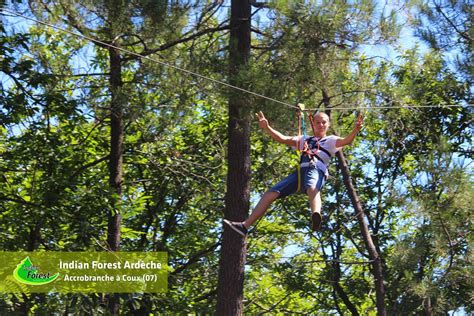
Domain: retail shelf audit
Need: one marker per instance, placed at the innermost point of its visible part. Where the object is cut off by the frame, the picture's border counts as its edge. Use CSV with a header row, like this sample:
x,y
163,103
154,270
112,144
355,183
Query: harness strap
x,y
311,121
300,139
312,155
314,152
325,151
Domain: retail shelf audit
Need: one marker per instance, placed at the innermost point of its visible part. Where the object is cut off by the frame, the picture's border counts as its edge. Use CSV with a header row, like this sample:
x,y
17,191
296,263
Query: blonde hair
x,y
322,114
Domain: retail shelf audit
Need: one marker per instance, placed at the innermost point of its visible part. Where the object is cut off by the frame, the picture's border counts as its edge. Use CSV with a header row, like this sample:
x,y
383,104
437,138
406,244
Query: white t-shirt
x,y
327,148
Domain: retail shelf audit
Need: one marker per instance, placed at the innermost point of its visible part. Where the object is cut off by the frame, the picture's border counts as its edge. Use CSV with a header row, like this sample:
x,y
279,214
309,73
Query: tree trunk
x,y
116,150
115,162
376,269
233,250
376,262
336,266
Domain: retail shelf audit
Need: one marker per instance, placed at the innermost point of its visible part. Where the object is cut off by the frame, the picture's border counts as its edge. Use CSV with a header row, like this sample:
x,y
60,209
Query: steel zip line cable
x,y
222,82
146,57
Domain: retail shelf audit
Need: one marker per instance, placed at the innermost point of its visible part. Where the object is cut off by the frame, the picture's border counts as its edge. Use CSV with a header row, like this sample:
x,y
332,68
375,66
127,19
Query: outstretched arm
x,y
276,135
341,142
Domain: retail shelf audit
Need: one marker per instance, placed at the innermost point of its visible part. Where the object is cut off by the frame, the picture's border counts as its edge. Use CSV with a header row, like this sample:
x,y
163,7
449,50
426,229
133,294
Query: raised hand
x,y
262,121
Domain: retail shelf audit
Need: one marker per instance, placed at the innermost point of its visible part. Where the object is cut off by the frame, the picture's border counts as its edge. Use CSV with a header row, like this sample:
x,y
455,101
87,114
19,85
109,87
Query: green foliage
x,y
407,164
446,26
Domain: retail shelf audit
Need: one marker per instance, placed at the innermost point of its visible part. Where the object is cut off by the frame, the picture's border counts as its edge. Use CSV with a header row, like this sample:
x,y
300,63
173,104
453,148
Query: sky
x,y
407,40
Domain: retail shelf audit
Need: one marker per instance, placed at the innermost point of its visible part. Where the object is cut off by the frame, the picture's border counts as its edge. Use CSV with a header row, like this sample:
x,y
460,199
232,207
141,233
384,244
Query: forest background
x,y
103,150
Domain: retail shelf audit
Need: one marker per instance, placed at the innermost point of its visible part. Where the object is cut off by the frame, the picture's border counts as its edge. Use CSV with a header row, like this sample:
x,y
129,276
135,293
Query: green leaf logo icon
x,y
27,273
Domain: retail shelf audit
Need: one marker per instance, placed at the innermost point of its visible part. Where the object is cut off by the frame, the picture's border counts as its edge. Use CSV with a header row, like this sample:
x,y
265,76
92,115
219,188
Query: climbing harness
x,y
310,147
299,144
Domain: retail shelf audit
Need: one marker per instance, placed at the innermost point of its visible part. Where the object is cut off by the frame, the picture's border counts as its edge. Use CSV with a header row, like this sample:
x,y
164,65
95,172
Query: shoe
x,y
316,221
238,227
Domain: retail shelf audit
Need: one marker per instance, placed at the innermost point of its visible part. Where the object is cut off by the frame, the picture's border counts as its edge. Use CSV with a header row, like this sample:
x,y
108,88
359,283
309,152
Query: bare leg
x,y
262,206
315,203
314,199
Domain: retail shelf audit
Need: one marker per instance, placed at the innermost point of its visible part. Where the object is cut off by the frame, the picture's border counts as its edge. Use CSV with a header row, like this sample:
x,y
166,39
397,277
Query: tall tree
x,y
117,105
55,142
405,159
233,249
374,256
119,27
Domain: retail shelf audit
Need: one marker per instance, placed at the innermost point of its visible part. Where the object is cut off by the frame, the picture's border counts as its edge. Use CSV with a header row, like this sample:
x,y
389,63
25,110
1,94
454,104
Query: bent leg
x,y
315,203
262,206
314,199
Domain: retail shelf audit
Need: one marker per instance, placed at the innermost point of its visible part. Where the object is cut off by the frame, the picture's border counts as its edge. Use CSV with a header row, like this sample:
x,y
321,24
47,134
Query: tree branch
x,y
196,257
18,200
451,23
86,166
179,41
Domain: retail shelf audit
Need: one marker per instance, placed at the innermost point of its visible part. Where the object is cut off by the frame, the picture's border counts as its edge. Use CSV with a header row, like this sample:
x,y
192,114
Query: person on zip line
x,y
316,152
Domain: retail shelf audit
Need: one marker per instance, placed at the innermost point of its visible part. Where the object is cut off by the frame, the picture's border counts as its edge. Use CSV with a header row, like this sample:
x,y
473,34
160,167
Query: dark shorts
x,y
311,177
